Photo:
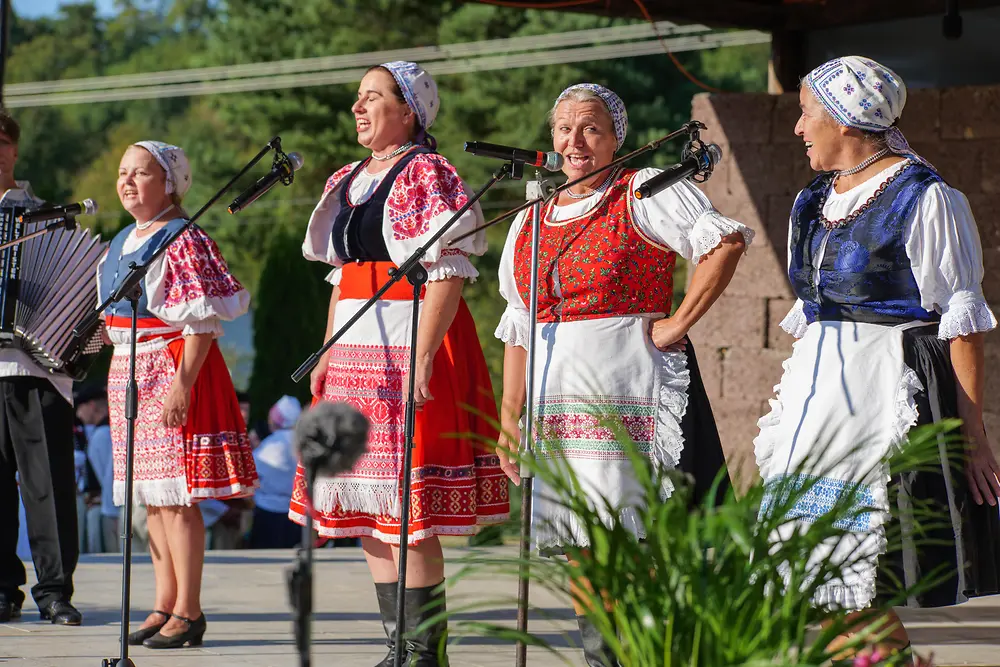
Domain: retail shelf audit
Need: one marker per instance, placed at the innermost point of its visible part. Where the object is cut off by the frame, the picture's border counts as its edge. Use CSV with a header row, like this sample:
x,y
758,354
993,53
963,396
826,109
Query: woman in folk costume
x,y
606,350
190,439
373,215
886,262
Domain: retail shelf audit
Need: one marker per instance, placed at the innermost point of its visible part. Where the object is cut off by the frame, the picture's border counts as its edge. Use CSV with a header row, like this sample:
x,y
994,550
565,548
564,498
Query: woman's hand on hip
x,y
175,406
982,471
668,334
509,443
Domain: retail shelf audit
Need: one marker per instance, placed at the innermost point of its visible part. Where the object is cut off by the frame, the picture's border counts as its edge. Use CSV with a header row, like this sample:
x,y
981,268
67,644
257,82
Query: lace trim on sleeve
x,y
452,265
795,322
513,327
709,230
969,317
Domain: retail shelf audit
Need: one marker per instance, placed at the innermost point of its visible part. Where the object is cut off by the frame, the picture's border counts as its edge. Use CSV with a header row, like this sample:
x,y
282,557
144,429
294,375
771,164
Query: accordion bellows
x,y
48,286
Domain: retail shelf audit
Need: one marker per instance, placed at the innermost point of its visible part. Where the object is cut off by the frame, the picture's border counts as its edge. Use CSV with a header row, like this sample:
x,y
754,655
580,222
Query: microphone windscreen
x,y
715,152
89,206
330,438
553,161
297,161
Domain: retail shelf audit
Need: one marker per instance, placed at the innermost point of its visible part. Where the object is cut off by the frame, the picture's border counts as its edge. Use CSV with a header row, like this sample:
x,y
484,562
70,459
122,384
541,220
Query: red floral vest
x,y
603,265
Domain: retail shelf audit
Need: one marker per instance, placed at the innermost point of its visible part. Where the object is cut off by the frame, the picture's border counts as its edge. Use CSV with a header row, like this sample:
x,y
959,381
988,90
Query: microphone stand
x,y
130,289
300,579
67,222
416,274
536,202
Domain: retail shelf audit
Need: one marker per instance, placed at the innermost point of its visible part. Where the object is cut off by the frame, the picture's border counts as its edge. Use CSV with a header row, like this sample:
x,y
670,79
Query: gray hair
x,y
579,95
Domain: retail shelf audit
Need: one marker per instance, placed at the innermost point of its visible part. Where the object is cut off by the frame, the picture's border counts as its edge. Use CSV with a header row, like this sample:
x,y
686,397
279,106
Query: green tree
x,y
289,322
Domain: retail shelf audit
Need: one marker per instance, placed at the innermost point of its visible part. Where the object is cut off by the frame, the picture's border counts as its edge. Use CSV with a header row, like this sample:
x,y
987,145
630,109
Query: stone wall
x,y
740,345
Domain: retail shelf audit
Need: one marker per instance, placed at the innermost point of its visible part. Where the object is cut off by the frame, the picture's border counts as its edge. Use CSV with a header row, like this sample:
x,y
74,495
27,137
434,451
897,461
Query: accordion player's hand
x,y
175,406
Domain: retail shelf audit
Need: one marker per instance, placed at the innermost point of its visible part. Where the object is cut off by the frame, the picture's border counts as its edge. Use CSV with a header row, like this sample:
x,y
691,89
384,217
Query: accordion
x,y
47,286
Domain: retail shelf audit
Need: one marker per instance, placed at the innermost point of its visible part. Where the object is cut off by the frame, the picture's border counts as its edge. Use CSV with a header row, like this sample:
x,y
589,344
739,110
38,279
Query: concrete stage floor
x,y
246,606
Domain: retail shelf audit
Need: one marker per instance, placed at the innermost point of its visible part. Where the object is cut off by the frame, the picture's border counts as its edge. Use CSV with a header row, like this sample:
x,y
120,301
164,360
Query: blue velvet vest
x,y
116,266
859,272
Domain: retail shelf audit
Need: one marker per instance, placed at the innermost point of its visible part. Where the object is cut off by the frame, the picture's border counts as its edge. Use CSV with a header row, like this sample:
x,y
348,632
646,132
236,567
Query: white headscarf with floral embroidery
x,y
174,162
614,104
861,93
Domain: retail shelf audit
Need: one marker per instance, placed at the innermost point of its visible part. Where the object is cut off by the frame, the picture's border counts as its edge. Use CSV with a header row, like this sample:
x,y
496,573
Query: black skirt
x,y
964,545
702,458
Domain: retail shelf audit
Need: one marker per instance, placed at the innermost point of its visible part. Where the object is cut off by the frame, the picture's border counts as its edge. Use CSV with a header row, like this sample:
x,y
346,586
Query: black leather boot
x,y
427,646
596,651
386,594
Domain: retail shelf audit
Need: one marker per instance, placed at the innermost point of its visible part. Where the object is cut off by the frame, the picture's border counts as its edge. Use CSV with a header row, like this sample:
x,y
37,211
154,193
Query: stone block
x,y
991,167
749,375
786,115
761,273
921,120
777,339
991,377
959,162
732,321
986,210
735,117
779,211
991,277
992,421
737,428
765,170
970,112
709,362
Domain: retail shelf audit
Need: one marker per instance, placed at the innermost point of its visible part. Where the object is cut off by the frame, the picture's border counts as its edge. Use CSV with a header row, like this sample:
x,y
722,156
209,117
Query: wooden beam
x,y
759,14
788,61
837,13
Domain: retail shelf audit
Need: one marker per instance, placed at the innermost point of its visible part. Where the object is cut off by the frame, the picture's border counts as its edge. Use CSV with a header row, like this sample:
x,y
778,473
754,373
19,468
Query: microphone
x,y
279,172
550,161
85,207
700,161
330,438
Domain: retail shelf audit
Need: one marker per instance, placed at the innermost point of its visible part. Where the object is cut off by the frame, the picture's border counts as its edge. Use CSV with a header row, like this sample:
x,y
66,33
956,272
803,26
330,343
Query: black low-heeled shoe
x,y
142,634
192,636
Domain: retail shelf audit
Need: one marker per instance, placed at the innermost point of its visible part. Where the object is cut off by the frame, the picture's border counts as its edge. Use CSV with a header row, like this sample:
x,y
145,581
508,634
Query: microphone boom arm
x,y
691,128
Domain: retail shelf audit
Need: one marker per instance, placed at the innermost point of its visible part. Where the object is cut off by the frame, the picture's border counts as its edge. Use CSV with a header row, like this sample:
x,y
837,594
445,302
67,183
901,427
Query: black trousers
x,y
36,441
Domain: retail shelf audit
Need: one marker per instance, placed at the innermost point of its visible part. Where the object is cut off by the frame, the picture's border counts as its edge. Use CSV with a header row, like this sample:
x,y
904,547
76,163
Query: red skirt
x,y
209,457
456,480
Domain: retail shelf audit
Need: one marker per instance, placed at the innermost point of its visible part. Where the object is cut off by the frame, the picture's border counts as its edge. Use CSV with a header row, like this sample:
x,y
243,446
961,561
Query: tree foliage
x,y
70,152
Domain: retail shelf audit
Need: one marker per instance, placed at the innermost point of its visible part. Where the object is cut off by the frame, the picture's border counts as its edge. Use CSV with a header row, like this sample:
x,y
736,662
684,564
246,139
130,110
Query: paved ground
x,y
248,622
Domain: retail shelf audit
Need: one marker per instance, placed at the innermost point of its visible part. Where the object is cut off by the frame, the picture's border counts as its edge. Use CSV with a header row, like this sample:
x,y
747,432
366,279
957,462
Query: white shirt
x,y
15,362
275,460
945,252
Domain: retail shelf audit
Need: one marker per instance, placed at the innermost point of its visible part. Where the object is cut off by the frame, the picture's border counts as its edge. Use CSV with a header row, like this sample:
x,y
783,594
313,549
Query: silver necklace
x,y
600,187
864,165
146,225
402,149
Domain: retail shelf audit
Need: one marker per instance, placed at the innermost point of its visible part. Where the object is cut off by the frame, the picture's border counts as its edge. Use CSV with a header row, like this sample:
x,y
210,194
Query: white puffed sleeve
x,y
513,328
424,196
946,257
682,218
190,286
317,246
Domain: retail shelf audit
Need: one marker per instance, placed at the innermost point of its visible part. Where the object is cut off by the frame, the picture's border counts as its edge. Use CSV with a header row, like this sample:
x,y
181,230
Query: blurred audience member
x,y
276,461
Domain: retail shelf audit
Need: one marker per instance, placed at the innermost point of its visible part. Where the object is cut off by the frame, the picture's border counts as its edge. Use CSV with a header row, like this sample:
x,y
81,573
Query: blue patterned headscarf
x,y
418,88
861,93
616,108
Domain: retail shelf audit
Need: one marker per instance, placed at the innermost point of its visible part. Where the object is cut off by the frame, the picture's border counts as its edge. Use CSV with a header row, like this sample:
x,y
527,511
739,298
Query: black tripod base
x,y
117,662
